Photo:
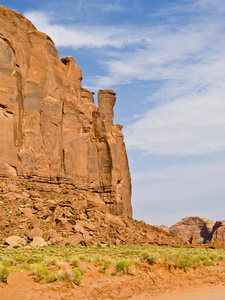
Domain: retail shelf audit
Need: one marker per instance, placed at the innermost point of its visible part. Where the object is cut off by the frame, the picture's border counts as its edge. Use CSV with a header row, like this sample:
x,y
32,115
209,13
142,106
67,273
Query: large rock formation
x,y
203,230
50,129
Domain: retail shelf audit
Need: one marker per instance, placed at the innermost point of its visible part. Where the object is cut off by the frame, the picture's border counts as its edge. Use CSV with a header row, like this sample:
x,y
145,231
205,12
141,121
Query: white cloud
x,y
78,36
191,126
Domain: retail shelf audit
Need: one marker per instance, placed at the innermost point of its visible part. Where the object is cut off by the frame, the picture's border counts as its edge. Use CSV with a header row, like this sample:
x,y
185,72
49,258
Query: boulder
x,y
35,232
15,241
52,233
38,241
27,212
114,220
218,244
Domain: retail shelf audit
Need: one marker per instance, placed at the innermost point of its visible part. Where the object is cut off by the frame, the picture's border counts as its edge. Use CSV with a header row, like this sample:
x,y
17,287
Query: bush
x,y
183,263
20,258
66,275
145,255
75,262
77,276
4,274
8,262
124,267
39,271
208,262
196,263
101,269
51,261
73,275
50,278
106,265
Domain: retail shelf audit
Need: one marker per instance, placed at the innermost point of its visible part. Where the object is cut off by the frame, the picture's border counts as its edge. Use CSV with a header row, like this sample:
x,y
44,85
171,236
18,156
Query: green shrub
x,y
51,261
196,263
8,262
106,265
73,275
75,262
77,278
20,258
82,257
66,275
4,274
183,263
39,271
208,262
101,269
50,278
124,267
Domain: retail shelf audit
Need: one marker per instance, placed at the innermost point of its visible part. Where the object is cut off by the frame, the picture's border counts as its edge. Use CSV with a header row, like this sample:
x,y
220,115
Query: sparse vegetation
x,y
69,261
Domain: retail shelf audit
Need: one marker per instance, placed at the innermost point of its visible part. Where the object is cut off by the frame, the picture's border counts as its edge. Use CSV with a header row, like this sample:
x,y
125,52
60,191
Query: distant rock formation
x,y
201,230
50,129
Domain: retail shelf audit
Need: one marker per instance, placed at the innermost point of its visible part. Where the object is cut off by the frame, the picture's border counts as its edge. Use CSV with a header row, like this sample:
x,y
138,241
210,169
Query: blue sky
x,y
166,61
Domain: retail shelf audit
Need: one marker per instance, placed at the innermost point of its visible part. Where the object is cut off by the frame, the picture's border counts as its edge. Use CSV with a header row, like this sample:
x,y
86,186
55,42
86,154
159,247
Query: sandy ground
x,y
208,293
147,283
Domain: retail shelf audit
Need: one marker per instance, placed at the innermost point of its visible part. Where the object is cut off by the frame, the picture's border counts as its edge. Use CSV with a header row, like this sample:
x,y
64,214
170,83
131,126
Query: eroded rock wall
x,y
50,129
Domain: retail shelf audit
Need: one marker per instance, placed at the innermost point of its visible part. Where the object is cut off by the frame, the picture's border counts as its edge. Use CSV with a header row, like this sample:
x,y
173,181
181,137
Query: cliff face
x,y
50,129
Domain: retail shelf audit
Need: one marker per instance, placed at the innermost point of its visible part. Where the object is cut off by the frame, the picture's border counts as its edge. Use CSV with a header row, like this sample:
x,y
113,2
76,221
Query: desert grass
x,y
68,260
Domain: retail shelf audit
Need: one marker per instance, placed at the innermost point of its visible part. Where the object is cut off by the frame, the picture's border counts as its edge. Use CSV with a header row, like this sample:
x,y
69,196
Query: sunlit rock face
x,y
50,129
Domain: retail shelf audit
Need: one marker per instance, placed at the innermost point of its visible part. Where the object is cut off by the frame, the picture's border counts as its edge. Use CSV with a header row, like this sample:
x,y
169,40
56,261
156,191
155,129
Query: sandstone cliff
x,y
50,129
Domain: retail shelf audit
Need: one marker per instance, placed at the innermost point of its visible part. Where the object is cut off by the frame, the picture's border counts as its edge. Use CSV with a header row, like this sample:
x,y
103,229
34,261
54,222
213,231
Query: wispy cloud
x,y
78,36
190,126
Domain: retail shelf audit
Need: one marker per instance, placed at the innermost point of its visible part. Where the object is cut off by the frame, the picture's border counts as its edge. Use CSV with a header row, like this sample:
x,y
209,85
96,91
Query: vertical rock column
x,y
106,102
113,161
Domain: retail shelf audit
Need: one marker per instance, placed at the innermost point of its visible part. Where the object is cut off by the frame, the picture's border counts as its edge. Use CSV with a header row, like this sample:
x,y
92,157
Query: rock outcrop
x,y
199,230
53,138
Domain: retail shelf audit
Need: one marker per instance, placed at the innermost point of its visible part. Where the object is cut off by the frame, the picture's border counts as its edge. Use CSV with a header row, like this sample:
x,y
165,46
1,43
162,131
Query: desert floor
x,y
148,282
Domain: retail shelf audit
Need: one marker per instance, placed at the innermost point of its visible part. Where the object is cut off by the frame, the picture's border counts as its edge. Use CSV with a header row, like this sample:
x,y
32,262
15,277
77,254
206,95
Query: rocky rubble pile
x,y
37,214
